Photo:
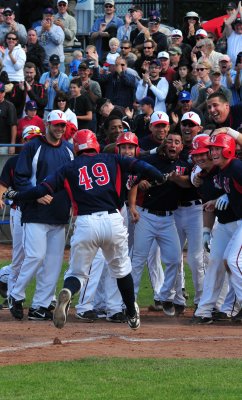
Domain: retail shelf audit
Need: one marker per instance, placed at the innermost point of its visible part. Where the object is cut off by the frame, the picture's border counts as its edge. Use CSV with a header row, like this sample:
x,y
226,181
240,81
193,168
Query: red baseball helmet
x,y
200,144
129,138
226,142
85,140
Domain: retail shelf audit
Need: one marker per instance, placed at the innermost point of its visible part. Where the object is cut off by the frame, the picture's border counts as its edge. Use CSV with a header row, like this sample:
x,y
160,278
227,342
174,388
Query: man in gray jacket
x,y
10,25
66,22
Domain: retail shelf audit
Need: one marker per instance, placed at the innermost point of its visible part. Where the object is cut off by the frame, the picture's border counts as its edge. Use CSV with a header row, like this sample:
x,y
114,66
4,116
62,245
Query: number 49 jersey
x,y
96,182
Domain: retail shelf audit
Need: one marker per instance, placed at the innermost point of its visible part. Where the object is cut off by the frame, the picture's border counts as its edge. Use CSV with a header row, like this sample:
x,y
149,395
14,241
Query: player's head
x,y
30,132
173,145
56,124
85,141
218,107
222,149
200,150
127,144
190,126
159,125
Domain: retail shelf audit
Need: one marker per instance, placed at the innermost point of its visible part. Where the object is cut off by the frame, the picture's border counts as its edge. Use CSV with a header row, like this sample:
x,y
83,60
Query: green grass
x,y
113,379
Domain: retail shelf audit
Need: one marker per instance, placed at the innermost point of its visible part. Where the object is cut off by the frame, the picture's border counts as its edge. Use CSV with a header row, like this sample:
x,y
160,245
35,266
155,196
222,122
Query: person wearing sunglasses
x,y
127,53
67,22
203,80
10,25
13,58
105,27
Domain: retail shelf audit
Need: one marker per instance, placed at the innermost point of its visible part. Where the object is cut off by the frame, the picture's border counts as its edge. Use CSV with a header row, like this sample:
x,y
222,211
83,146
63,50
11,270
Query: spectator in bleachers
x,y
177,41
127,54
137,24
1,15
113,53
32,11
29,89
8,123
175,57
233,32
125,30
119,85
15,5
31,118
228,76
184,106
166,70
153,86
142,121
54,81
62,102
203,70
13,58
51,37
148,54
80,104
35,53
206,46
190,26
152,32
10,25
75,62
66,22
104,28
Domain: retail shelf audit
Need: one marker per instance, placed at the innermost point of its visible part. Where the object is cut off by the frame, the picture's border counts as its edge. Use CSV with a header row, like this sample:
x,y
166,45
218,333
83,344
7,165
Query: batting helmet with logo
x,y
30,132
200,144
226,142
127,138
85,140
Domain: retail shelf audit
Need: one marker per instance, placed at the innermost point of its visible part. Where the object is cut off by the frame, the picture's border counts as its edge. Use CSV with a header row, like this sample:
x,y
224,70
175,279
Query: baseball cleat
x,y
118,317
16,307
168,308
40,314
87,316
157,306
62,307
134,322
202,320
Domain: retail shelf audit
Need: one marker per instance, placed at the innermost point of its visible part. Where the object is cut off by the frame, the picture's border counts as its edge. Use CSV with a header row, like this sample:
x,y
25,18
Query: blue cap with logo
x,y
184,96
31,105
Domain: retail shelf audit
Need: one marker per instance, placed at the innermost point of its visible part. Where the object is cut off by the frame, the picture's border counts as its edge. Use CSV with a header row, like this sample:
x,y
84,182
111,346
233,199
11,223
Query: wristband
x,y
206,229
234,134
154,151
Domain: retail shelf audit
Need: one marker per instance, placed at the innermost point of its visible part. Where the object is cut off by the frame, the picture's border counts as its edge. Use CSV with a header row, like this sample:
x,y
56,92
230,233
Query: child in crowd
x,y
113,54
74,64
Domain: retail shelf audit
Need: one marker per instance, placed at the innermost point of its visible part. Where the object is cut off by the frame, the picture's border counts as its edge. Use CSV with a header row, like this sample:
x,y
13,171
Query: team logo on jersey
x,y
216,182
180,170
131,181
226,184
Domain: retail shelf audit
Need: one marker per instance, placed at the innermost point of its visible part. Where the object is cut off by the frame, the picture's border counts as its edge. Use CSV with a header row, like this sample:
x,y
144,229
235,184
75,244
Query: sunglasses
x,y
126,48
188,123
61,101
7,15
185,101
60,125
62,4
200,69
199,47
11,38
108,6
148,48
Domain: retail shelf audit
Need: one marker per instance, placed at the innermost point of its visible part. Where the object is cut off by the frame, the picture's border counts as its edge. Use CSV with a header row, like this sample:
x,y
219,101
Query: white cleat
x,y
62,307
134,322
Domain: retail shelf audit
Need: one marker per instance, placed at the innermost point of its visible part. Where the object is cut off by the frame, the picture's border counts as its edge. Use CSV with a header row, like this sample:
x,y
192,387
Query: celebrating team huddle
x,y
130,206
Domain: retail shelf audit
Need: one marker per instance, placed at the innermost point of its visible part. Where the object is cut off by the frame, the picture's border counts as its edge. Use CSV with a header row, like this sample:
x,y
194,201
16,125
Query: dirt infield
x,y
159,337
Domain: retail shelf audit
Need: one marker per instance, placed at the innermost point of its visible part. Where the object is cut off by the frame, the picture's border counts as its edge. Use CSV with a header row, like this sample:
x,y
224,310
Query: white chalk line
x,y
125,338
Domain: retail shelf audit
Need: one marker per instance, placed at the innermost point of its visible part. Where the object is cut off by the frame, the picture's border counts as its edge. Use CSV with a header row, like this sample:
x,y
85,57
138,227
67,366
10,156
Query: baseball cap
x,y
156,62
176,32
86,64
54,59
135,8
56,117
48,10
154,16
237,21
147,100
224,57
201,32
100,102
109,2
174,50
163,54
215,71
231,6
8,10
191,116
184,95
2,87
31,105
159,117
192,14
62,1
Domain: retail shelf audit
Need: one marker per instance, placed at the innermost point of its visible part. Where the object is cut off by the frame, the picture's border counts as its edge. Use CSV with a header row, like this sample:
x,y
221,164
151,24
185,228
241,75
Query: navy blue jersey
x,y
94,181
148,143
230,180
7,175
207,191
38,159
165,197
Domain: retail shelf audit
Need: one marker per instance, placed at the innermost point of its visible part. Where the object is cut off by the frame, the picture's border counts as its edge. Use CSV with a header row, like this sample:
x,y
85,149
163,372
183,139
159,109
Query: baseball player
x,y
95,181
43,220
156,207
9,273
222,231
229,179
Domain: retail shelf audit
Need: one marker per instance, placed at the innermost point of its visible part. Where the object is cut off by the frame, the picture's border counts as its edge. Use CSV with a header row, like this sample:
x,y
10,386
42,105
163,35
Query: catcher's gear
x,y
200,144
226,142
127,138
30,132
85,140
222,202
